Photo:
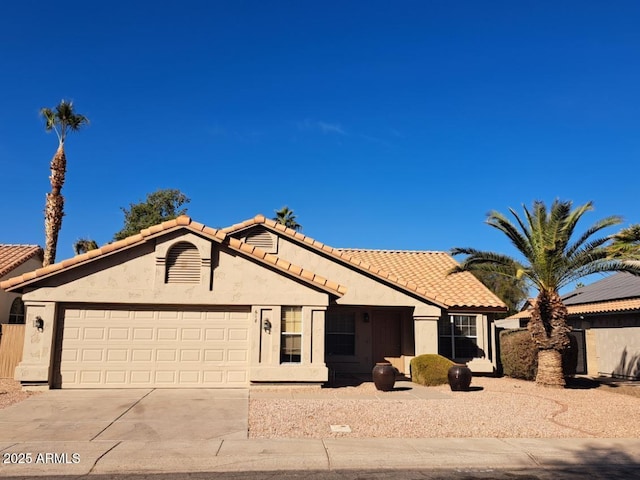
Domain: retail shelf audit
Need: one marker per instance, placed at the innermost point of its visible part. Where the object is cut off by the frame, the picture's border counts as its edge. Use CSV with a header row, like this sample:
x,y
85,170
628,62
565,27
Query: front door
x,y
386,325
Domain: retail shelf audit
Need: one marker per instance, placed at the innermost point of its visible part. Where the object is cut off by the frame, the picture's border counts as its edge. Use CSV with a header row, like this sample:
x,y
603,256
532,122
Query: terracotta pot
x,y
384,376
459,378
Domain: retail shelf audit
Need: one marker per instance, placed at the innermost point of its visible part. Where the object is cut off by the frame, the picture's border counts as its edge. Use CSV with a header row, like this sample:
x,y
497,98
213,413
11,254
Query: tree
x,y
551,259
62,119
286,217
83,245
160,206
511,290
626,243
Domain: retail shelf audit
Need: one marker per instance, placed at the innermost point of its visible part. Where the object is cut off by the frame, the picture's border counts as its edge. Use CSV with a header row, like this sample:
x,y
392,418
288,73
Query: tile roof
x,y
12,256
181,222
423,273
428,272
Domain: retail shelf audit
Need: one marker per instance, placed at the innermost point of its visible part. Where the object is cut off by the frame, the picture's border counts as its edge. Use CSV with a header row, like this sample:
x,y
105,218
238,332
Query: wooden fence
x,y
11,344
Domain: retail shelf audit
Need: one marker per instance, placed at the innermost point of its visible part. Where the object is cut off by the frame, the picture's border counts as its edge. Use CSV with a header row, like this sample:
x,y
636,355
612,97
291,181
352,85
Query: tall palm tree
x,y
61,119
551,259
83,245
286,217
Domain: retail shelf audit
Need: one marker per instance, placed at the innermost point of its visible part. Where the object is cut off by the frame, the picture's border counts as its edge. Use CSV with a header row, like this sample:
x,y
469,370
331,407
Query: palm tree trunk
x,y
550,332
550,372
54,208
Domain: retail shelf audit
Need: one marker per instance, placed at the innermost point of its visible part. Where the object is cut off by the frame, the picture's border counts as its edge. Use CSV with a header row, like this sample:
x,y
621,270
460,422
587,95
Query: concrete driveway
x,y
147,415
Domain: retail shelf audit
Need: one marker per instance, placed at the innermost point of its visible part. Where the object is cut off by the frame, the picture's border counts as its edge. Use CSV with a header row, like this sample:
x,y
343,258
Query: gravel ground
x,y
11,392
496,407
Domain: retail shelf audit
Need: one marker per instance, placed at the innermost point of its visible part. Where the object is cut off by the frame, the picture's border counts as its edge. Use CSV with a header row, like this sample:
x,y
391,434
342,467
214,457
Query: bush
x,y
519,355
430,369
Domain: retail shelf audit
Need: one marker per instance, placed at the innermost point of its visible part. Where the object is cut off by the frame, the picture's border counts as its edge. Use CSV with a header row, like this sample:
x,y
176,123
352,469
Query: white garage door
x,y
110,348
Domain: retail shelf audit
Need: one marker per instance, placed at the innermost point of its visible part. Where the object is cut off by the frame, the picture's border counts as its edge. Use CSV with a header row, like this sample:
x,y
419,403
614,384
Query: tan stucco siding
x,y
618,350
132,276
361,289
6,298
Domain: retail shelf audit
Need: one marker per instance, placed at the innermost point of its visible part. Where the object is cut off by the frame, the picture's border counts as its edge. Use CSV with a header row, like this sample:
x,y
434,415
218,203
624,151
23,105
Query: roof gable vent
x,y
183,264
260,237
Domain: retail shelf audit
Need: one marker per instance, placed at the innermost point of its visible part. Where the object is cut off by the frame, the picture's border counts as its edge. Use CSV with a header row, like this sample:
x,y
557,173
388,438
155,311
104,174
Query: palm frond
x,y
63,119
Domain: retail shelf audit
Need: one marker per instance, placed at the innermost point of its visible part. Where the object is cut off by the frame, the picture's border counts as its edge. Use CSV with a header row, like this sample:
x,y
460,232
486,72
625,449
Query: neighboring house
x,y
16,260
605,317
185,305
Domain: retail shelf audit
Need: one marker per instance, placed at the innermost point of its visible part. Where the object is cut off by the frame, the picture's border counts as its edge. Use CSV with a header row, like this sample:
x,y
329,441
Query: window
x,y
458,337
16,313
291,335
340,334
183,264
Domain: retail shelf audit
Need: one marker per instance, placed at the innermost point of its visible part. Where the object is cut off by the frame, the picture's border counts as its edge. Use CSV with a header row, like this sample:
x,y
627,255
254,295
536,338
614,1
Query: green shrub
x,y
519,355
430,369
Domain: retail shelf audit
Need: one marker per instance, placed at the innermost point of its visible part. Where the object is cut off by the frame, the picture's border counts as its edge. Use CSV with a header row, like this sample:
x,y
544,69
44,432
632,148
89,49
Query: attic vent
x,y
183,264
261,238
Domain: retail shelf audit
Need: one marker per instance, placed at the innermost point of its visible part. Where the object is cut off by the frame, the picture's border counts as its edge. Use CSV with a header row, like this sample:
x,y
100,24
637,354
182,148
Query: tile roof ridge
x,y
20,245
388,250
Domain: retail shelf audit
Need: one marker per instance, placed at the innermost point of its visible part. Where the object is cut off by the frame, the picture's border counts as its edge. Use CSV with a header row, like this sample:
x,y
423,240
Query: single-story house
x,y
16,260
605,317
184,305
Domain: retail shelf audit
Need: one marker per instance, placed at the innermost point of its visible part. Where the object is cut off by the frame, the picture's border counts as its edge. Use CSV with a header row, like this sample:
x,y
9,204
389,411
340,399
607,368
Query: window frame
x,y
285,334
467,331
340,316
17,312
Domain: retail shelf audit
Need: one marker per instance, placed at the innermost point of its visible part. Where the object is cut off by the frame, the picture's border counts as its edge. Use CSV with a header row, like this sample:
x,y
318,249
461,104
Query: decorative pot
x,y
459,378
384,376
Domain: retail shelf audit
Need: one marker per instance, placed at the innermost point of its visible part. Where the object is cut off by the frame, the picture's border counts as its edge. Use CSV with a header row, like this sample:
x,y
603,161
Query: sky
x,y
383,125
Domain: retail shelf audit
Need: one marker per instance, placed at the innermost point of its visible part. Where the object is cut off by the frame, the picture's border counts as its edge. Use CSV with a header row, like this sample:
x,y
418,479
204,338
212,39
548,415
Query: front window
x,y
16,313
291,335
340,334
458,337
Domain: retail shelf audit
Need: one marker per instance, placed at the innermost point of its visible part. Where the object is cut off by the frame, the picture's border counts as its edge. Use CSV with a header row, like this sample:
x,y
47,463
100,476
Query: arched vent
x,y
261,238
183,264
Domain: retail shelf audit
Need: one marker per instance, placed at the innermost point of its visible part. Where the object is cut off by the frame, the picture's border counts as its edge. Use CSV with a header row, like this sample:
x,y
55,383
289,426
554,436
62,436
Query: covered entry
x,y
108,347
356,338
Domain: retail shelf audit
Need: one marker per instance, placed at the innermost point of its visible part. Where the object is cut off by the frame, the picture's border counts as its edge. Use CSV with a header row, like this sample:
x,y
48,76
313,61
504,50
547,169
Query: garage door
x,y
111,348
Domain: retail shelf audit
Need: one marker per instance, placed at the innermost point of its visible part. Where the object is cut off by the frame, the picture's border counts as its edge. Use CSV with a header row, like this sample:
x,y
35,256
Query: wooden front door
x,y
386,325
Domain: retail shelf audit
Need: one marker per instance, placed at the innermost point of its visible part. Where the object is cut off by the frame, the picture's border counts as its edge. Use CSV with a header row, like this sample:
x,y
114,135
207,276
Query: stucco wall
x,y
6,298
617,342
132,276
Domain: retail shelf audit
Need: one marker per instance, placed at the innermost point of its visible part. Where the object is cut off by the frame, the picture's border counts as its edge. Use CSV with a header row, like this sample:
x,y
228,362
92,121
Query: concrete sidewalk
x,y
181,456
114,432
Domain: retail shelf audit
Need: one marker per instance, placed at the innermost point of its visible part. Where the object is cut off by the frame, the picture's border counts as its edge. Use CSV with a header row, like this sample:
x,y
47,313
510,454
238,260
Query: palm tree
x,y
626,242
83,245
552,259
62,119
286,217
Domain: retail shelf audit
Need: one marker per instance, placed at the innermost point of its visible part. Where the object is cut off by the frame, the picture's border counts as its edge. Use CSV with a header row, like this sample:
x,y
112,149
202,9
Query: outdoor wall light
x,y
267,325
365,317
38,323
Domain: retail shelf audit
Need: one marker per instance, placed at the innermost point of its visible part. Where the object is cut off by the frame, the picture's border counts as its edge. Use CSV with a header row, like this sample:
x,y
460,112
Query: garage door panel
x,y
104,348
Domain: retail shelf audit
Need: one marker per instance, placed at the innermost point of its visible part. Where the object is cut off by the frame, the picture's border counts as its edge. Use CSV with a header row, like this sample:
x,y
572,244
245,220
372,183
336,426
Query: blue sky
x,y
382,124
